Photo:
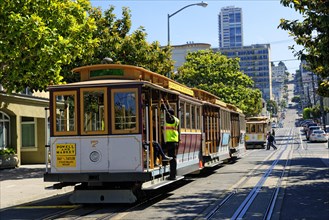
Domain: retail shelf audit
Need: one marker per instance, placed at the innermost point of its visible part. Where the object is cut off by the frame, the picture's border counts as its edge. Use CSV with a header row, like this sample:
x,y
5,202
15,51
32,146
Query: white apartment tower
x,y
230,27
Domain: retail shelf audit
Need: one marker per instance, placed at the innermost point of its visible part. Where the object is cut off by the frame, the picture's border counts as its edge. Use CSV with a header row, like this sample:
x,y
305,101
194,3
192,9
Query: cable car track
x,y
115,211
242,208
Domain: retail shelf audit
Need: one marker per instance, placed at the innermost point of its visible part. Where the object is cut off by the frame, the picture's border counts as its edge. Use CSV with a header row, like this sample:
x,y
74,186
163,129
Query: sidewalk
x,y
25,184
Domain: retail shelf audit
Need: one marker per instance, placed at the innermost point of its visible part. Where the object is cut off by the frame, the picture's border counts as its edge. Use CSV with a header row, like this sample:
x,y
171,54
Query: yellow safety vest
x,y
172,131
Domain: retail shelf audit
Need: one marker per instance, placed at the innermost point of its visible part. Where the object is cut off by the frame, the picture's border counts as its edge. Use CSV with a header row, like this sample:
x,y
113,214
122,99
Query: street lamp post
x,y
203,4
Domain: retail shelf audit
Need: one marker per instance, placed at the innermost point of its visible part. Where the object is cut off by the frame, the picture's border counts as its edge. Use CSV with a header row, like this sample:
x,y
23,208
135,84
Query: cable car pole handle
x,y
164,120
47,146
147,138
156,125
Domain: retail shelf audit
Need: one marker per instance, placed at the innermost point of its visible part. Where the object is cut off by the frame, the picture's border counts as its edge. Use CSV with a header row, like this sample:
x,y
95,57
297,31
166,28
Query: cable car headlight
x,y
95,156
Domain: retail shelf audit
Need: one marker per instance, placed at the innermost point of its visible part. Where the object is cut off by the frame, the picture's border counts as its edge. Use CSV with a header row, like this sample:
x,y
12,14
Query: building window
x,y
26,91
28,132
4,130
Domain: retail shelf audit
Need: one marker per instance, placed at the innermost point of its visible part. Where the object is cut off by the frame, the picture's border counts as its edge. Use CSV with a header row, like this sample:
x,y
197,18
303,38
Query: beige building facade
x,y
22,125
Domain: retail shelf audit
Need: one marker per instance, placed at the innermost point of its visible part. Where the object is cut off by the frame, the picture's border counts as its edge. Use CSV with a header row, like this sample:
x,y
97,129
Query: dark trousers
x,y
270,144
158,151
172,146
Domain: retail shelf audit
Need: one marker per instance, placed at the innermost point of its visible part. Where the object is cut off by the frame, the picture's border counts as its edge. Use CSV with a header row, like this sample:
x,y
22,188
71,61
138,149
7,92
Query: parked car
x,y
274,125
304,124
309,125
318,136
310,130
327,129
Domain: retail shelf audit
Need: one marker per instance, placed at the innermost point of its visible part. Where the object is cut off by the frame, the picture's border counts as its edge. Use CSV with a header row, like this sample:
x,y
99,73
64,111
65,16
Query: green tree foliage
x,y
283,104
217,74
313,34
116,42
41,41
272,107
132,49
307,113
296,99
37,37
314,112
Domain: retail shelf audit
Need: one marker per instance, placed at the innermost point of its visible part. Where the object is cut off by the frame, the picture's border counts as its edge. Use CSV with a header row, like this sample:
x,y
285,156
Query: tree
x,y
124,48
296,99
221,76
283,103
38,37
307,113
272,107
313,34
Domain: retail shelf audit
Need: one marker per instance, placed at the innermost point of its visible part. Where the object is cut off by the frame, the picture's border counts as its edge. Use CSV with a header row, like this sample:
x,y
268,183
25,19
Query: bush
x,y
7,151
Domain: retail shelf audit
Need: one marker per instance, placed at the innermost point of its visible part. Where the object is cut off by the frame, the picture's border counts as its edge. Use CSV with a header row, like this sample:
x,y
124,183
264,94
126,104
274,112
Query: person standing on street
x,y
171,136
270,140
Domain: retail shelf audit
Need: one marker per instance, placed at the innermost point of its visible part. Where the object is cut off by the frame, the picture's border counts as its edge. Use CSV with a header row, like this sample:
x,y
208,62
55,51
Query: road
x,y
303,192
289,183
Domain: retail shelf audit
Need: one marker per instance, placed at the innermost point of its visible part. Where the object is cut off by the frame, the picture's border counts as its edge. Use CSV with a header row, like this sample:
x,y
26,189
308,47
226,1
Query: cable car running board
x,y
102,196
158,183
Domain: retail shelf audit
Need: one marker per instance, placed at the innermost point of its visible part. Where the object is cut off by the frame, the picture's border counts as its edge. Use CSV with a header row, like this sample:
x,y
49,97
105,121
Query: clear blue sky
x,y
200,25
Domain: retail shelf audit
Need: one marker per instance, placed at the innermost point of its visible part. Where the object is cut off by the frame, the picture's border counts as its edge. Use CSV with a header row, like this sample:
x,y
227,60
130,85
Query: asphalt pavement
x,y
25,184
306,194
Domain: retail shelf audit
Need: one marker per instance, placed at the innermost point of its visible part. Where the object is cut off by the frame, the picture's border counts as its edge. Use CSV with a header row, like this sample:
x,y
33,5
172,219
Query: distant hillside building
x,y
278,76
179,52
309,82
254,62
230,27
279,72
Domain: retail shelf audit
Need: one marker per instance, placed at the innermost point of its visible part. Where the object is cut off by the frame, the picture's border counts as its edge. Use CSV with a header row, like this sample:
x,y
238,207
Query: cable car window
x,y
253,128
182,113
193,117
198,118
124,111
93,116
188,116
65,111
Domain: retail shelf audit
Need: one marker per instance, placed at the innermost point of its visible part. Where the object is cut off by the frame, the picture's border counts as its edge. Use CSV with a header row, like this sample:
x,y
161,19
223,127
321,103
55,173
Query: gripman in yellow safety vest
x,y
172,124
171,137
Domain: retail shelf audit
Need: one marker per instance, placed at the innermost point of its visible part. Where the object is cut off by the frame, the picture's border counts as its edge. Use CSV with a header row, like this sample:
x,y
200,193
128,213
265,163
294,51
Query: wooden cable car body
x,y
256,131
102,131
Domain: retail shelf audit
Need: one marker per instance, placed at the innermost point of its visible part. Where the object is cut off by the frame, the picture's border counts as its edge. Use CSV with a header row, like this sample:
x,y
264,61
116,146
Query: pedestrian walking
x,y
270,141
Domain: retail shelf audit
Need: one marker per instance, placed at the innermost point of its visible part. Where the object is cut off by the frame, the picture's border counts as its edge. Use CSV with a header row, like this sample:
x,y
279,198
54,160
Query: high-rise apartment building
x,y
230,27
254,62
254,59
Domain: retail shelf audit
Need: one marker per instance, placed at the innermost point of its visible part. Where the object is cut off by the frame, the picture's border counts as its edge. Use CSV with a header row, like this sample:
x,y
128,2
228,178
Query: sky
x,y
200,24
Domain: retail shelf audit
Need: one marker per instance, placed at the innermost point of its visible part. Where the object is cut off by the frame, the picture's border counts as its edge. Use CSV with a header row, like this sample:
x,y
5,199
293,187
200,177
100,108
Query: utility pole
x,y
323,114
308,97
313,89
